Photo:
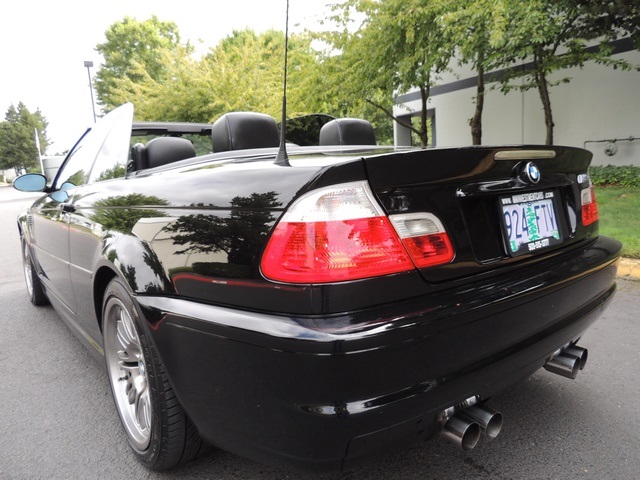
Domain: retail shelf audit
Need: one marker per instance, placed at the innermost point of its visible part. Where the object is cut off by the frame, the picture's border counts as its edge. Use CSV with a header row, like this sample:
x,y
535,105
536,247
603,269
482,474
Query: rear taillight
x,y
425,238
340,233
589,206
334,234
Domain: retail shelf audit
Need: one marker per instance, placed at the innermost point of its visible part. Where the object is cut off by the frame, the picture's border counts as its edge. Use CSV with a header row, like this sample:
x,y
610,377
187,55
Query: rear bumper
x,y
298,393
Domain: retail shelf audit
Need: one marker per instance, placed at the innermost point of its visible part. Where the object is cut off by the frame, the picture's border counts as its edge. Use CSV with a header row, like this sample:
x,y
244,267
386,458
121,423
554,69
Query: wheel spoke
x,y
129,328
27,271
130,392
125,357
130,367
124,333
127,338
143,412
121,338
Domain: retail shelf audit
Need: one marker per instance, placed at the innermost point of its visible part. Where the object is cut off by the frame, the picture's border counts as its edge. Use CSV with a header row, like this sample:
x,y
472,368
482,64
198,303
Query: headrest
x,y
243,130
347,131
163,150
138,157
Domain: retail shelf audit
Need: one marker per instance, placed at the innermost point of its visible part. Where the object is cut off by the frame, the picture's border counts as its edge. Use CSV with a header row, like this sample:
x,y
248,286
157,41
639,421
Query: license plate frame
x,y
529,222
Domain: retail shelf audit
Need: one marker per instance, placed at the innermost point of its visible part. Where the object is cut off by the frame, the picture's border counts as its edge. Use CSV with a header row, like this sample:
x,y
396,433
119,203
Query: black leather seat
x,y
244,130
138,158
162,150
347,131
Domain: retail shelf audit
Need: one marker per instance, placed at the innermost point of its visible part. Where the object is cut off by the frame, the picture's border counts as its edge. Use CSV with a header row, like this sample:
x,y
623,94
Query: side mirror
x,y
30,182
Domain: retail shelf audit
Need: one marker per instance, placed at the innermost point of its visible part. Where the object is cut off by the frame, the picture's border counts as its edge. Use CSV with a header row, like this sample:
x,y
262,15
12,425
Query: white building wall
x,y
599,104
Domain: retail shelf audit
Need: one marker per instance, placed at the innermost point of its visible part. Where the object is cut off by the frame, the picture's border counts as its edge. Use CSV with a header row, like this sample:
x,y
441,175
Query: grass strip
x,y
619,212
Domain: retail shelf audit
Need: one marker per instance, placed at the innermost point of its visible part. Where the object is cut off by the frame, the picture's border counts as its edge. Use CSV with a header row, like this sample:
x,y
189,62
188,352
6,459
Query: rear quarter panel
x,y
196,232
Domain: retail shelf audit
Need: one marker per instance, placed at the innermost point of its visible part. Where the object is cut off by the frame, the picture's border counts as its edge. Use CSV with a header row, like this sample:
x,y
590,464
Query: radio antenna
x,y
282,158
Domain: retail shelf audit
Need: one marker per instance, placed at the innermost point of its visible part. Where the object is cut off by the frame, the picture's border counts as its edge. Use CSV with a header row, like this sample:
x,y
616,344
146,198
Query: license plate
x,y
529,222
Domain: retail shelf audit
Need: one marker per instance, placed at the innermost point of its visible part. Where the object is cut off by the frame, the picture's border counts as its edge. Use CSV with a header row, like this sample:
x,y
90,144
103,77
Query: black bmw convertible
x,y
316,312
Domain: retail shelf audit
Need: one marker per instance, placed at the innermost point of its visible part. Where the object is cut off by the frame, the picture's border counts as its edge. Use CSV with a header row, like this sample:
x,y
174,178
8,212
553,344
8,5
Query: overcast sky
x,y
44,43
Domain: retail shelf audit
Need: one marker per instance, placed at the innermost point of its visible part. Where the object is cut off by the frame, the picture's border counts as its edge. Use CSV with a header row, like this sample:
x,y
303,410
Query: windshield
x,y
106,144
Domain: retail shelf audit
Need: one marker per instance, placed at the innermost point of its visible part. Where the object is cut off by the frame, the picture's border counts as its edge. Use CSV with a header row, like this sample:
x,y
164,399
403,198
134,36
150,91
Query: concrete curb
x,y
629,268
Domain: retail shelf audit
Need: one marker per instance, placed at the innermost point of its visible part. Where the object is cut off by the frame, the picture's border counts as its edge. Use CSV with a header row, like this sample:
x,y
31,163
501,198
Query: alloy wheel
x,y
127,369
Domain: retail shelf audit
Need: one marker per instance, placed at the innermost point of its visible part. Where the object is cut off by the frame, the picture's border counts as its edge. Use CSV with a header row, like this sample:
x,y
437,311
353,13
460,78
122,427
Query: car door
x,y
88,225
49,246
50,226
53,214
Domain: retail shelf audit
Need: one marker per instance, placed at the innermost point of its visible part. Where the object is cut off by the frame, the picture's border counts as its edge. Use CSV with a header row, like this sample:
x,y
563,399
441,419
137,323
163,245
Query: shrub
x,y
615,176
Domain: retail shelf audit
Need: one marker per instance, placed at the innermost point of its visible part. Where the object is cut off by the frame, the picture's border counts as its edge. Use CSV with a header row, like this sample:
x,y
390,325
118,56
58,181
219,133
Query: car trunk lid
x,y
499,205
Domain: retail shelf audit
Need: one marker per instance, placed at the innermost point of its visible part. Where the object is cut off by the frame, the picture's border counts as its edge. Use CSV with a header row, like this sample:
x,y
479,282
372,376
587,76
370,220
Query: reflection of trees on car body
x,y
122,212
240,235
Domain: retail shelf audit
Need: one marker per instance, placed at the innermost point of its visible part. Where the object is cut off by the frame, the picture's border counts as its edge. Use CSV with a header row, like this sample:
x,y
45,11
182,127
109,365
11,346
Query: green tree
x,y
18,147
469,26
187,93
249,69
133,50
556,35
329,89
243,72
399,45
627,15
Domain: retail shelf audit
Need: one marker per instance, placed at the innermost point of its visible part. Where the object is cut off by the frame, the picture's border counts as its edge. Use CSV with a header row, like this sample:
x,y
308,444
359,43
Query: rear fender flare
x,y
136,263
130,259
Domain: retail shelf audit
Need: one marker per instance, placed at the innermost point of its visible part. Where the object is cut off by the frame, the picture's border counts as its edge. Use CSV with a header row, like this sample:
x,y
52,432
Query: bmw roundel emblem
x,y
532,172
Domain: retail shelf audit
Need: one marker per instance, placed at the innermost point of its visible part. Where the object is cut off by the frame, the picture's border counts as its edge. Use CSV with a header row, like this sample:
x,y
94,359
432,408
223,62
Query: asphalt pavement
x,y
59,421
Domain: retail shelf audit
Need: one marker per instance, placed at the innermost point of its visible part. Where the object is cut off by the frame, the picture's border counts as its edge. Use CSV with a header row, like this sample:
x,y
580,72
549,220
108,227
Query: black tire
x,y
34,285
158,429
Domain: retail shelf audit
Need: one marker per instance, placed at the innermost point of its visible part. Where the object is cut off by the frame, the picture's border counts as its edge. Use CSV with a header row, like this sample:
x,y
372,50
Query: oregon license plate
x,y
529,222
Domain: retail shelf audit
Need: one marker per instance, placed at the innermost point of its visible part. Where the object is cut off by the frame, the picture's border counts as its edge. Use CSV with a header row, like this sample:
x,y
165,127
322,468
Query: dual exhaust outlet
x,y
466,423
568,361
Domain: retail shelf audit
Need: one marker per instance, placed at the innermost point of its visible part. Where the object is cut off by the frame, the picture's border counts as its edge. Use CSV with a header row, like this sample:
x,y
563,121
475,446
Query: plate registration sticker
x,y
529,222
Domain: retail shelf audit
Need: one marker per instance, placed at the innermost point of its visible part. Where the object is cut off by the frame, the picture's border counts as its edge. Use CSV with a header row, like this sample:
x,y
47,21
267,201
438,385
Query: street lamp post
x,y
89,64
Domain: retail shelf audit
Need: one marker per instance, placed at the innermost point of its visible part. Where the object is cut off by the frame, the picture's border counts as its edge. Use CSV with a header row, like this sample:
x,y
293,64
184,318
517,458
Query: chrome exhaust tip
x,y
461,432
578,352
489,420
565,365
